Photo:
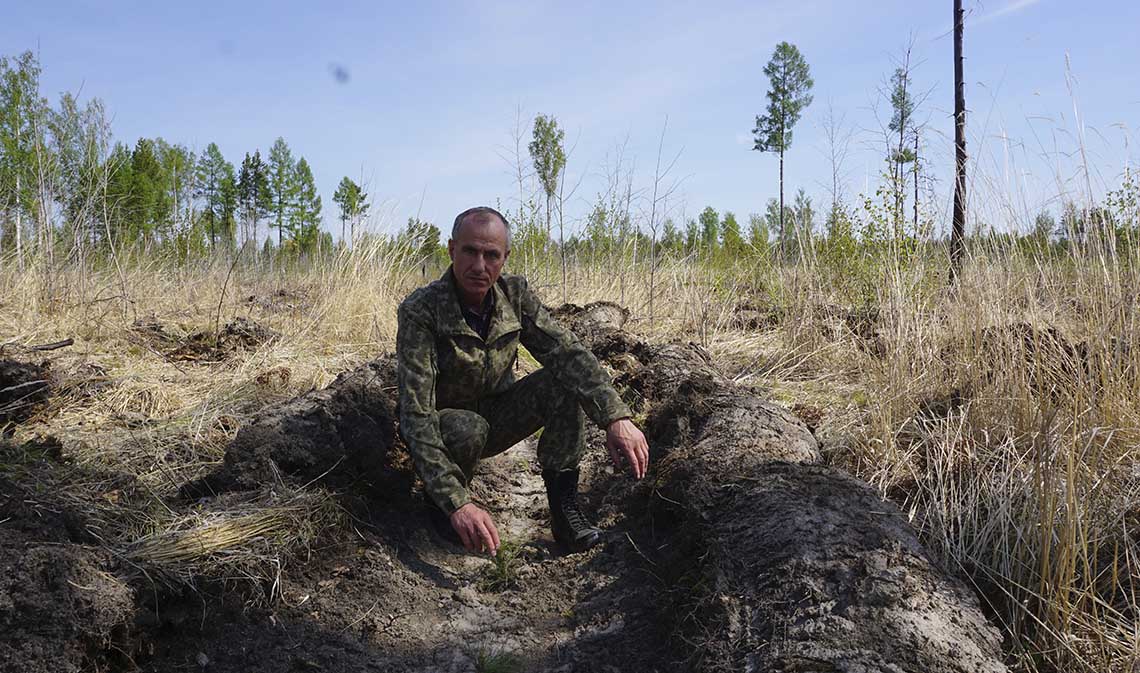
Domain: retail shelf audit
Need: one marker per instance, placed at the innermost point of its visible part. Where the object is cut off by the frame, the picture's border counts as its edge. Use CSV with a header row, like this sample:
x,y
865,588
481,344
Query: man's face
x,y
477,256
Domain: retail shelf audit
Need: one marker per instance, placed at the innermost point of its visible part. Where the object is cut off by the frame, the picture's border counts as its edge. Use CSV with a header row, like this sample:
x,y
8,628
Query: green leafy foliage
x,y
548,155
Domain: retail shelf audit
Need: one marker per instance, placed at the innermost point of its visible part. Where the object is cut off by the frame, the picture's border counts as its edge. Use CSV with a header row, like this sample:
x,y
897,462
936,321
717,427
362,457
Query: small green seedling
x,y
497,662
501,572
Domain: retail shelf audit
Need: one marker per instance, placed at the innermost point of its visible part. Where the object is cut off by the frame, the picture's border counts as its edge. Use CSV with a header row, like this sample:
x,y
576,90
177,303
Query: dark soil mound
x,y
241,334
773,563
247,334
24,388
339,434
803,568
60,607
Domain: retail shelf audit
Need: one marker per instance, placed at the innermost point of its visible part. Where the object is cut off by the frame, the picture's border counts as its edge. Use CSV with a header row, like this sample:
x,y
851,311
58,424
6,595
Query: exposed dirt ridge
x,y
793,566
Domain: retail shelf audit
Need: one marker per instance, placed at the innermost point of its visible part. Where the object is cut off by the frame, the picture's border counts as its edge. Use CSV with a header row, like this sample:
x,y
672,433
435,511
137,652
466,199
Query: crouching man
x,y
456,347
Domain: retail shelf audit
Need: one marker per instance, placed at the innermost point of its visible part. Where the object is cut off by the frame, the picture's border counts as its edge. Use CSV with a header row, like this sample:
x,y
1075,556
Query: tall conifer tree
x,y
788,95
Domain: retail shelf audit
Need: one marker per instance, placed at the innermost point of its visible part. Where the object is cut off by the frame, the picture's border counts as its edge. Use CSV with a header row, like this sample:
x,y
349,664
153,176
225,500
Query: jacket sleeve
x,y
571,363
416,372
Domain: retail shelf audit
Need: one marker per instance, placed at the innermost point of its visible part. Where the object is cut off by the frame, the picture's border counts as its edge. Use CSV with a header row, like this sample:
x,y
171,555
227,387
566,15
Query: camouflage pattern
x,y
459,400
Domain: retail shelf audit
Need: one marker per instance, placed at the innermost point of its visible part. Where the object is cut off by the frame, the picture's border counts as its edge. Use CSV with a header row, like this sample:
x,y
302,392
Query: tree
x,y
147,207
758,233
838,136
1044,225
957,238
788,95
803,214
774,215
179,182
353,204
671,238
731,239
305,223
902,111
217,188
692,235
710,227
281,185
79,139
549,157
422,240
118,194
255,199
20,107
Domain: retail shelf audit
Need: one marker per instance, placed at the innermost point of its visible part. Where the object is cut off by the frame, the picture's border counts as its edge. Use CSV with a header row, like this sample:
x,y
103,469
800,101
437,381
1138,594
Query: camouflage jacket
x,y
444,364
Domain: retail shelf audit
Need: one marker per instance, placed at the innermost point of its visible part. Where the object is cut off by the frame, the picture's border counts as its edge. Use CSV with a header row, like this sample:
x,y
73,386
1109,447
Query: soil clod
x,y
24,388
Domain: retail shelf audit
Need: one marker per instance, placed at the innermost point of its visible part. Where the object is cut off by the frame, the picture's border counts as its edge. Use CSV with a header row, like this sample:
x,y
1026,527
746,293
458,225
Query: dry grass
x,y
1025,481
240,537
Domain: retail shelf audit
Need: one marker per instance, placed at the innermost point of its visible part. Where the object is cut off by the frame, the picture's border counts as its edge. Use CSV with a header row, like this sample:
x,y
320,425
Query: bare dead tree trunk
x,y
957,239
916,182
19,220
661,194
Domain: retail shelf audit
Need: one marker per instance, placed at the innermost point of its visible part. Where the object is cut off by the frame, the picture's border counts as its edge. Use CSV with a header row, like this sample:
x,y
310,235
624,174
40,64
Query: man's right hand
x,y
475,529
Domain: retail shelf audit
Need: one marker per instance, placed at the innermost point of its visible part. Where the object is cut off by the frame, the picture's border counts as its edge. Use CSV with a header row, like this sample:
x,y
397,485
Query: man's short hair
x,y
480,214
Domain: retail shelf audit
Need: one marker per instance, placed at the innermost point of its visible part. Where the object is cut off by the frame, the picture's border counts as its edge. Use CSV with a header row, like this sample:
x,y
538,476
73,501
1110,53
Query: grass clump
x,y
501,573
498,662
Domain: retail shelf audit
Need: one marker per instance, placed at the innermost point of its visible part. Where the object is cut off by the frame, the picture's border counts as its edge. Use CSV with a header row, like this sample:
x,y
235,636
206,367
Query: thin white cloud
x,y
1010,8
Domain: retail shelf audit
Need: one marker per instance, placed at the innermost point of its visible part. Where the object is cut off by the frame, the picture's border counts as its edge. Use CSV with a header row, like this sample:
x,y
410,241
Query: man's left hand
x,y
624,440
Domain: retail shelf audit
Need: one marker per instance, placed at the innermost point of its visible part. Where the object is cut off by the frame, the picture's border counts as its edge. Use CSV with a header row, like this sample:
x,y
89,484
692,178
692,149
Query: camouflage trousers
x,y
536,401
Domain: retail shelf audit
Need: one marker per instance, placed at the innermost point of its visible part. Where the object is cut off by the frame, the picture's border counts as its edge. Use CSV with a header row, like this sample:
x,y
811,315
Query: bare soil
x,y
737,552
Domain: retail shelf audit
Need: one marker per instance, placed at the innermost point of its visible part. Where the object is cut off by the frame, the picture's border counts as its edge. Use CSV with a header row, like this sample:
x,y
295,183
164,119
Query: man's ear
x,y
506,255
451,249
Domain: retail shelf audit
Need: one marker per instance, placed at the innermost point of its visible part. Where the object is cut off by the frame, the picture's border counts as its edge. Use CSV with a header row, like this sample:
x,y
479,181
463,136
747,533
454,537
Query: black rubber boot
x,y
572,530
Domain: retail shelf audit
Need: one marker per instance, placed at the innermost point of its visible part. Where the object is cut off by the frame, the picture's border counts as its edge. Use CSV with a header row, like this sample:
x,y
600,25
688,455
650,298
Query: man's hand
x,y
624,440
475,528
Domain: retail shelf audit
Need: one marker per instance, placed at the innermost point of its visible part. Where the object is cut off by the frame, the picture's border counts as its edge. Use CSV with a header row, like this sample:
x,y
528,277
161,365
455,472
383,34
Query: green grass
x,y
498,662
501,572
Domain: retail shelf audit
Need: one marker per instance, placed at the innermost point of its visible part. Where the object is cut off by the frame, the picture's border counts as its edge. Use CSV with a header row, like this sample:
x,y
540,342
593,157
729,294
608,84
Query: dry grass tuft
x,y
239,536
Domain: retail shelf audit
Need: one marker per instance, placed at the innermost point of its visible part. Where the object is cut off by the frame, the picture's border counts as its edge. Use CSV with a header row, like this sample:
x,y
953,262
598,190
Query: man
x,y
456,347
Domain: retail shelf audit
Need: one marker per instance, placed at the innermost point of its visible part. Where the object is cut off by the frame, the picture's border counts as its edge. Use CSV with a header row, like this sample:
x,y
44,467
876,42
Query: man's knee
x,y
464,433
557,398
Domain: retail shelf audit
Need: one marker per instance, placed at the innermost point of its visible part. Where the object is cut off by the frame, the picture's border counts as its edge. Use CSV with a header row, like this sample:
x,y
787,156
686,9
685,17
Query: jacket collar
x,y
451,321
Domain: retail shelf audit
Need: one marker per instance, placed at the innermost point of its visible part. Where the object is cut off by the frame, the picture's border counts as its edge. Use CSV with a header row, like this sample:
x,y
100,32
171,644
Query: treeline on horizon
x,y
65,189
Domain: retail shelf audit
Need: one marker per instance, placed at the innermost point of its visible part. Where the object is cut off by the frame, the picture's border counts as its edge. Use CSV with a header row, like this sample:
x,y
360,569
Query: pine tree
x,y
902,107
281,185
305,222
791,82
118,202
353,204
253,194
147,209
217,188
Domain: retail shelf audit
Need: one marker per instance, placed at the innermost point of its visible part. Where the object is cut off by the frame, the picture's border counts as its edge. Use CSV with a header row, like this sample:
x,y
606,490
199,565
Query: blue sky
x,y
433,88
